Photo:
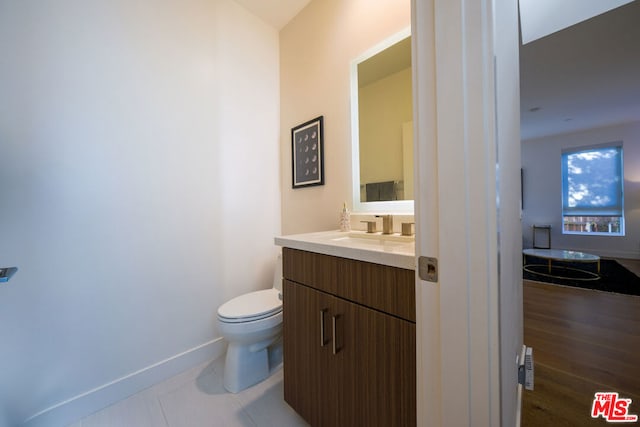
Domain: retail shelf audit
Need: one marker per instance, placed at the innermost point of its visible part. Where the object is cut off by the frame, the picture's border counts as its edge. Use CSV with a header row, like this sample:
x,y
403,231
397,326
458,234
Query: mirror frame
x,y
398,206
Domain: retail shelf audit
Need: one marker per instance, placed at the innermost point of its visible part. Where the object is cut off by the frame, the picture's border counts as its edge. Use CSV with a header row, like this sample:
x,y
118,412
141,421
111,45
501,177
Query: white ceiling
x,y
583,77
275,12
539,18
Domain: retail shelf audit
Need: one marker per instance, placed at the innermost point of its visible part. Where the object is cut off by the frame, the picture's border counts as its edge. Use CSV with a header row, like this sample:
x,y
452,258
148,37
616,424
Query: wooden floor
x,y
584,341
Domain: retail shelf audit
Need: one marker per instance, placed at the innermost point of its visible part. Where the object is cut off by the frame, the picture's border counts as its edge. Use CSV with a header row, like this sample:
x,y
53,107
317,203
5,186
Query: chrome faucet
x,y
387,223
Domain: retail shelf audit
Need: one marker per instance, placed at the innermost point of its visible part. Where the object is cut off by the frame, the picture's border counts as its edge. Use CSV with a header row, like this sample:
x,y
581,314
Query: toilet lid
x,y
252,306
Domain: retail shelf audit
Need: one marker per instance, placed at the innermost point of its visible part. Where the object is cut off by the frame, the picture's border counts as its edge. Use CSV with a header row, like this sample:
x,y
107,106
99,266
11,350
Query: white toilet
x,y
252,325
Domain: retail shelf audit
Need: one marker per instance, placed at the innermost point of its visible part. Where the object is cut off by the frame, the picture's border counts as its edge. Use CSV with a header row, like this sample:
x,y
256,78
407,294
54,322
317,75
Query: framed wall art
x,y
307,153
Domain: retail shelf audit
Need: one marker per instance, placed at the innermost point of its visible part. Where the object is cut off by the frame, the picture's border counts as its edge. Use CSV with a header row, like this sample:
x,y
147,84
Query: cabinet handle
x,y
323,341
334,321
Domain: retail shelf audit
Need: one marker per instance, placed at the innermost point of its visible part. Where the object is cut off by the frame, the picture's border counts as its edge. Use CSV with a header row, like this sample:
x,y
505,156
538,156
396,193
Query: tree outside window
x,y
592,191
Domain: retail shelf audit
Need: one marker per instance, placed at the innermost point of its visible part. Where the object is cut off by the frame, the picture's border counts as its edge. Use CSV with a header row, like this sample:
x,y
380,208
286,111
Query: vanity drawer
x,y
381,287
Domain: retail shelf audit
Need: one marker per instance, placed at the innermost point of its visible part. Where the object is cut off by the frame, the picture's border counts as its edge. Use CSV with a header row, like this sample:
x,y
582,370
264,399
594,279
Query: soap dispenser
x,y
345,218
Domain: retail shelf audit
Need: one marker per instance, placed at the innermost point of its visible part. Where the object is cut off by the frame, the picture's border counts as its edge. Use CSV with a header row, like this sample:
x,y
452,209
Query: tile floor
x,y
197,398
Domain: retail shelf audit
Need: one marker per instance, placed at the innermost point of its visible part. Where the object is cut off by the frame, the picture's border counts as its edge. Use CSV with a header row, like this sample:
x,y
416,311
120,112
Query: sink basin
x,y
380,236
357,242
376,241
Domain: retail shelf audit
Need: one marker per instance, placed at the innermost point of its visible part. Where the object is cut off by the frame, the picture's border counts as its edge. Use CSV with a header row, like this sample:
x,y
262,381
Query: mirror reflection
x,y
384,123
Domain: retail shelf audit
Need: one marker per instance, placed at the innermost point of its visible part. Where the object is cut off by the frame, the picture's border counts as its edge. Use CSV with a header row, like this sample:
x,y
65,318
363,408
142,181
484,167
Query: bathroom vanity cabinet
x,y
349,340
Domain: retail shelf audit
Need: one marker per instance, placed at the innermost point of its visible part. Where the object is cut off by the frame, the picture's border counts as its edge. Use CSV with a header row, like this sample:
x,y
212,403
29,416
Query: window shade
x,y
592,182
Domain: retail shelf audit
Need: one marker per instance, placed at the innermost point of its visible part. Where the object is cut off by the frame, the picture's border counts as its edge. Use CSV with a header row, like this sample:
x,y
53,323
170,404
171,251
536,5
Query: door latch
x,y
428,269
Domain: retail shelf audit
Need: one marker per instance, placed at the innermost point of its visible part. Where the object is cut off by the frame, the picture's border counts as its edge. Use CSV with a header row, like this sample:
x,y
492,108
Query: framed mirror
x,y
382,127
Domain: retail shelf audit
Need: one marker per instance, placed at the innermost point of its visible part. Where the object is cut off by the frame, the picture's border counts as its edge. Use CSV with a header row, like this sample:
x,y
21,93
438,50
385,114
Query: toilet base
x,y
244,367
275,355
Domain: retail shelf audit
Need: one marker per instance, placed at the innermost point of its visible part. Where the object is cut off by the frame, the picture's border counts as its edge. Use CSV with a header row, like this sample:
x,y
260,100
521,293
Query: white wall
x,y
543,189
140,189
316,50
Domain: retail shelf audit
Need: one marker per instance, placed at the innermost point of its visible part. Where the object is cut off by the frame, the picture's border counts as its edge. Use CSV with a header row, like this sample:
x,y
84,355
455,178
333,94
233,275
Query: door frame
x,y
467,210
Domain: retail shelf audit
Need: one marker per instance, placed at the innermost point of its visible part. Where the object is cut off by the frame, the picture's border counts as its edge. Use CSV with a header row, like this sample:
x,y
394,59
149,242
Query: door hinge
x,y
7,273
525,368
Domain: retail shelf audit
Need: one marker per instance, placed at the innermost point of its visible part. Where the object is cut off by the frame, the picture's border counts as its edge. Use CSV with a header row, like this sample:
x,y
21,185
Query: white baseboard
x,y
77,407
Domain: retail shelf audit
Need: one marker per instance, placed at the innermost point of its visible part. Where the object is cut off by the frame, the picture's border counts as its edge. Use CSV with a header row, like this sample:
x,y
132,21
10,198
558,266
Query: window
x,y
592,193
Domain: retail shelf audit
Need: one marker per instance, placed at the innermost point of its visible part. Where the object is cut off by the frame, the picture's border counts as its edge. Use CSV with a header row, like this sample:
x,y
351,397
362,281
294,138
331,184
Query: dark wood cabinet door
x,y
309,372
348,362
375,364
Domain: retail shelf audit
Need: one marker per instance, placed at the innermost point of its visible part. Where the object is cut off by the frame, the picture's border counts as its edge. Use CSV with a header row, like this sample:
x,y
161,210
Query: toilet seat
x,y
251,307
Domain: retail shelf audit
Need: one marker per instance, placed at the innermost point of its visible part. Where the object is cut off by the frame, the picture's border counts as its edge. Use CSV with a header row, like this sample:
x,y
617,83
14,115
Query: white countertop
x,y
386,250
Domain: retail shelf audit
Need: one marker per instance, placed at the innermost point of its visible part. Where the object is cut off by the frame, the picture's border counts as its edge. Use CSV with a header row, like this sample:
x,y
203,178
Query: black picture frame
x,y
307,153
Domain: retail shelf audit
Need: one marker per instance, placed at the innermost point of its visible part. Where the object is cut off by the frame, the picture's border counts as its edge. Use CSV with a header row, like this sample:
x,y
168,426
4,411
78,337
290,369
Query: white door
x,y
466,116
